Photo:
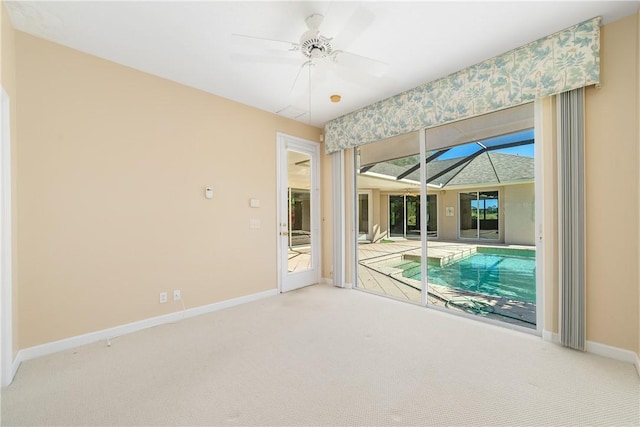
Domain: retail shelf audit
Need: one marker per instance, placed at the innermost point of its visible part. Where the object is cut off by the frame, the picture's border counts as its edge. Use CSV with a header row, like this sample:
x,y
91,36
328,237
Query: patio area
x,y
377,273
299,258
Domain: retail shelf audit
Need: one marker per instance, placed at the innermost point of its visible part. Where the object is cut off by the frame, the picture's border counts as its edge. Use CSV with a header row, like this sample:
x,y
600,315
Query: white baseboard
x,y
327,280
604,350
105,334
14,369
551,337
612,352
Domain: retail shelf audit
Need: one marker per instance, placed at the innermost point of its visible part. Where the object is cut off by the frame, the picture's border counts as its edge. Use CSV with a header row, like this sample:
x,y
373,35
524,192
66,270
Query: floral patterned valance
x,y
560,62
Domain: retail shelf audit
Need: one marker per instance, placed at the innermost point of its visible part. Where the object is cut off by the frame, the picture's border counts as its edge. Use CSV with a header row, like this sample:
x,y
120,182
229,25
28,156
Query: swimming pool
x,y
495,274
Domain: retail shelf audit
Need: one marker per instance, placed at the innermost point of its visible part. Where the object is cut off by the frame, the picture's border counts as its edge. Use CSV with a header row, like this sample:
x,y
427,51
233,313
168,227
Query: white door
x,y
298,212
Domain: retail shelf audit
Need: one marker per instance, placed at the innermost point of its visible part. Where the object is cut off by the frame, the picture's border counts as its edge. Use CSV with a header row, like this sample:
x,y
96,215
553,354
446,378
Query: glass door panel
x,y
467,270
389,260
300,253
396,216
432,215
488,219
363,216
299,219
468,211
413,217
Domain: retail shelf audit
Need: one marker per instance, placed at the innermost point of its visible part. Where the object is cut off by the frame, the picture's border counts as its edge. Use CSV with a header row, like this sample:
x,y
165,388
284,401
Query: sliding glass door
x,y
404,216
454,226
388,262
479,215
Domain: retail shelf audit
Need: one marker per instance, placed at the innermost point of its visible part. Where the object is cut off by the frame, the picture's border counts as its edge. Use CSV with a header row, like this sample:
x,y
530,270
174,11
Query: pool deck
x,y
377,274
299,258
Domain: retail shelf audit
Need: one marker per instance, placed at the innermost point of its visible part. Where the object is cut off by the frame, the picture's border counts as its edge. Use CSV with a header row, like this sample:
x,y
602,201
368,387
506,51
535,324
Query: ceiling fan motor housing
x,y
315,46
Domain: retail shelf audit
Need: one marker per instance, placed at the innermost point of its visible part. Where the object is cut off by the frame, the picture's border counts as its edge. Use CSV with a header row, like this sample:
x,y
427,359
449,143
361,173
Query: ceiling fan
x,y
314,49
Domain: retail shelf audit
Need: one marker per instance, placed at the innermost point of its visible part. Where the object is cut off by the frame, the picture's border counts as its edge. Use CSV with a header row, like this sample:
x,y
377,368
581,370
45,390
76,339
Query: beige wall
x,y
638,128
612,191
447,225
8,81
381,215
112,167
518,212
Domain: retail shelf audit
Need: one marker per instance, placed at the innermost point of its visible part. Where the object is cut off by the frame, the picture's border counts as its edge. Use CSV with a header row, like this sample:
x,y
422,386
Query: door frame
x,y
477,238
541,197
7,370
286,281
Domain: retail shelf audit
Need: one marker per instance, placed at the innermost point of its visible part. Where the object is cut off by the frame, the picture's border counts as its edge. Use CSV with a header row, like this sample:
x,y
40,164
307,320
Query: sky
x,y
468,149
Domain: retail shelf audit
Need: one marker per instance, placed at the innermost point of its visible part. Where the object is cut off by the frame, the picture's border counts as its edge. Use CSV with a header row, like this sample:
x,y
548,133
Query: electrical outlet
x,y
163,297
176,295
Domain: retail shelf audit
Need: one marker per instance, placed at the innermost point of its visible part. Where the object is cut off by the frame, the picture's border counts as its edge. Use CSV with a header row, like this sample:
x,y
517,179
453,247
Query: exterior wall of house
x,y
380,215
518,211
8,81
112,166
517,217
377,229
447,225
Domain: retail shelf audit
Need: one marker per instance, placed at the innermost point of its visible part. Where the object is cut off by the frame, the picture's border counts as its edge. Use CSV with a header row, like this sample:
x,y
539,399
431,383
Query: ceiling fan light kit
x,y
315,46
312,44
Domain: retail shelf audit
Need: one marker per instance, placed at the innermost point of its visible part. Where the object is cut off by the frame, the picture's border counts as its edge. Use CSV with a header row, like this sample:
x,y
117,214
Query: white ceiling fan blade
x,y
358,22
277,58
246,43
356,77
360,63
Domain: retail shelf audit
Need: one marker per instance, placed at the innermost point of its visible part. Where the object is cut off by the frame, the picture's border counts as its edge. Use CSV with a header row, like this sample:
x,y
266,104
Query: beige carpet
x,y
324,356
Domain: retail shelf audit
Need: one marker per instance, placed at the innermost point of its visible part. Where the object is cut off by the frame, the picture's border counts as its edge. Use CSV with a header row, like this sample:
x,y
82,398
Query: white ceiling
x,y
190,43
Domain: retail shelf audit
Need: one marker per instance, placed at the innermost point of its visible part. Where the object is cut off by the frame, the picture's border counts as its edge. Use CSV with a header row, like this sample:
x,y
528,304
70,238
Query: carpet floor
x,y
323,356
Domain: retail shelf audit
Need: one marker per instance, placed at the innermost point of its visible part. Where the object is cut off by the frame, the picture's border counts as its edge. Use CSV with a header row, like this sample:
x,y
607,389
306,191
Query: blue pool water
x,y
505,276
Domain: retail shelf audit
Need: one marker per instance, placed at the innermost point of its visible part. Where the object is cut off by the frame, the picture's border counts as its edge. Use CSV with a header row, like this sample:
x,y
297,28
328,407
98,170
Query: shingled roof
x,y
486,168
